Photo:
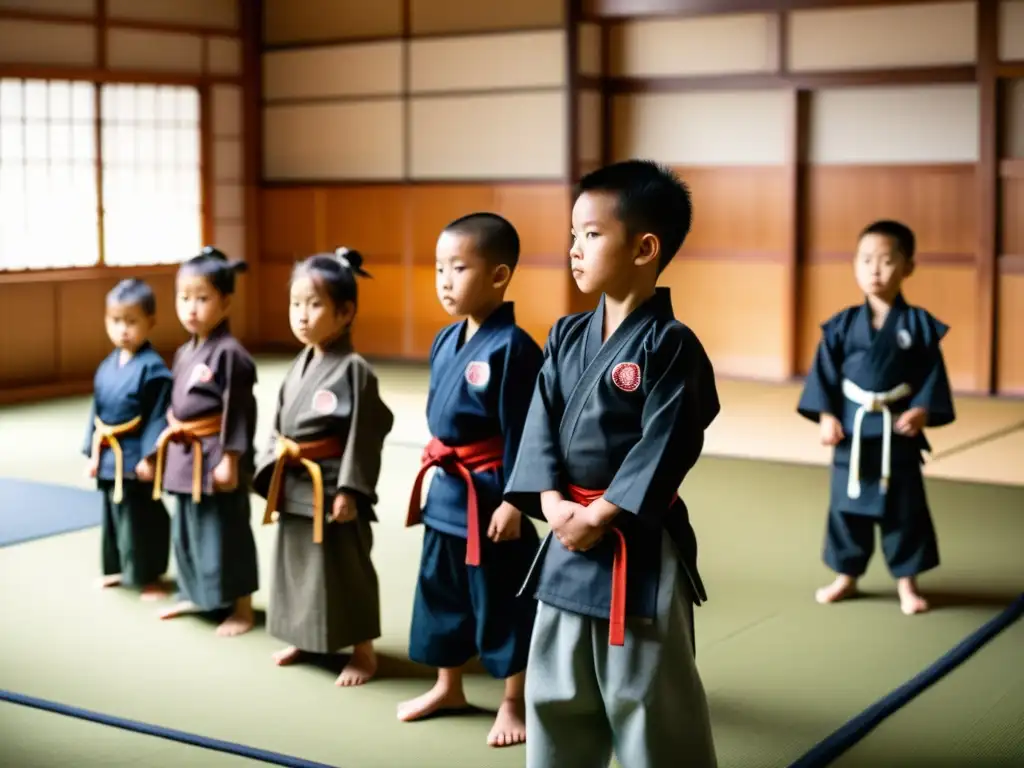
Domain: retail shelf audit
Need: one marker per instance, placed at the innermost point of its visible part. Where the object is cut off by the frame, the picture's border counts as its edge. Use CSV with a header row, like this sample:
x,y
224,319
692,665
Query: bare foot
x,y
911,601
103,582
360,668
510,724
286,656
240,621
438,699
155,591
182,608
840,589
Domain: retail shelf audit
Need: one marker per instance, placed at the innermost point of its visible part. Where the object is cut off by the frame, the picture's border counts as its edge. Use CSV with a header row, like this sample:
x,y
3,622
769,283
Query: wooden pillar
x,y
987,176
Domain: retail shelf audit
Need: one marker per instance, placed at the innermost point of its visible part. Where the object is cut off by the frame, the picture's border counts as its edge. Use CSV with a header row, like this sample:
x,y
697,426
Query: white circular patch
x,y
478,374
325,402
904,339
201,374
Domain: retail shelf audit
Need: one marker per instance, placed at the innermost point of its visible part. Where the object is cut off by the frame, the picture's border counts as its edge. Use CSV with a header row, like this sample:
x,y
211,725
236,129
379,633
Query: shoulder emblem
x,y
626,376
904,339
478,374
325,402
200,374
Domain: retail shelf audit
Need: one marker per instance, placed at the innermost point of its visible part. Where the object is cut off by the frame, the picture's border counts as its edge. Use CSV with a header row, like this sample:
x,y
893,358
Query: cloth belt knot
x,y
307,454
871,402
106,435
464,461
191,432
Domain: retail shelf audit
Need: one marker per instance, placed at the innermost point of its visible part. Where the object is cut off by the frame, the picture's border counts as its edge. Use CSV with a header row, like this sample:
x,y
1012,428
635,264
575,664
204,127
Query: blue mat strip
x,y
160,732
833,746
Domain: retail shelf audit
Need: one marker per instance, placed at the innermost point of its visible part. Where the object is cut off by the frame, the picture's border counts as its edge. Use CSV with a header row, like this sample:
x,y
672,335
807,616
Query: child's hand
x,y
92,467
344,509
505,524
910,423
144,471
831,430
579,532
225,474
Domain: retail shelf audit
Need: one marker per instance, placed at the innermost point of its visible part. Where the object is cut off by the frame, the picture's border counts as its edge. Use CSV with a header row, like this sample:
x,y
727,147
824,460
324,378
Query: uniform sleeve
x,y
156,400
538,464
523,361
681,402
823,386
371,422
239,401
935,394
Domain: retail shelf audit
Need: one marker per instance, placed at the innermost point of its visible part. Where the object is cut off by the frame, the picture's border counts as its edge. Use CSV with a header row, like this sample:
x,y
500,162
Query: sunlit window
x,y
49,180
152,186
48,201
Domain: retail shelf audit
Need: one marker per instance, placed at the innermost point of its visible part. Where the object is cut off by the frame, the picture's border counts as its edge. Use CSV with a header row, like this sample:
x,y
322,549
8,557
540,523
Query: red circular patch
x,y
325,401
626,376
478,374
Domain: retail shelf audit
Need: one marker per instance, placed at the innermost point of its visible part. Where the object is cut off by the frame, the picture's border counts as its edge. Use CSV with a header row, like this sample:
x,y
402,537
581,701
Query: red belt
x,y
463,460
617,612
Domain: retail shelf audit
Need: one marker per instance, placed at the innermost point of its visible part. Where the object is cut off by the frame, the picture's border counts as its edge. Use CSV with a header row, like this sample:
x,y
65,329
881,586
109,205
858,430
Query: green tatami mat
x,y
973,717
31,738
782,672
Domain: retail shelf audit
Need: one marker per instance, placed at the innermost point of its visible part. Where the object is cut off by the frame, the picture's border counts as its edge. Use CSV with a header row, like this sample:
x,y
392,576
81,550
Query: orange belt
x,y
107,434
617,614
291,453
185,432
464,460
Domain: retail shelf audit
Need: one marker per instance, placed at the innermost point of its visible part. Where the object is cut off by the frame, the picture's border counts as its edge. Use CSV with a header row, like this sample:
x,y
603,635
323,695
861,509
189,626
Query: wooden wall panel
x,y
1010,338
728,279
396,227
28,352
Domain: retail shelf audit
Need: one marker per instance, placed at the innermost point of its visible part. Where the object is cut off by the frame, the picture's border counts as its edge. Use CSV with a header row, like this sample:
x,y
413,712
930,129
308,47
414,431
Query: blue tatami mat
x,y
30,510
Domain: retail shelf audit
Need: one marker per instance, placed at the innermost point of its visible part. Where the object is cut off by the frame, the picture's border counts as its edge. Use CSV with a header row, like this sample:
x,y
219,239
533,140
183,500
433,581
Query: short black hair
x,y
133,293
495,238
900,234
651,198
215,266
334,274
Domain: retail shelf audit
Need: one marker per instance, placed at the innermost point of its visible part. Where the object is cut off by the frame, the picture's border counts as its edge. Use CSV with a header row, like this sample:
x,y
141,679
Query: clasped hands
x,y
577,528
909,424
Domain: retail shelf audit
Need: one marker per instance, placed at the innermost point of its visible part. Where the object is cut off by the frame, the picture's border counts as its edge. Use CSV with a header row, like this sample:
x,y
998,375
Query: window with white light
x,y
51,174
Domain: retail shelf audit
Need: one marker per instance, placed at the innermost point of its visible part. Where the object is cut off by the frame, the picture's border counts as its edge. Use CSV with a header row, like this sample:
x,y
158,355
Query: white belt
x,y
871,402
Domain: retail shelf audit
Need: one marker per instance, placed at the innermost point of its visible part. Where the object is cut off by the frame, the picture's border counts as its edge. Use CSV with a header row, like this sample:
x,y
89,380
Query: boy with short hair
x,y
131,394
476,548
617,420
878,379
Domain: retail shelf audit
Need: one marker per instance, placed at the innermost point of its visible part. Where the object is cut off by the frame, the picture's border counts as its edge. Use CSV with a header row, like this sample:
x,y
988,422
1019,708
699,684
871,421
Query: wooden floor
x,y
758,421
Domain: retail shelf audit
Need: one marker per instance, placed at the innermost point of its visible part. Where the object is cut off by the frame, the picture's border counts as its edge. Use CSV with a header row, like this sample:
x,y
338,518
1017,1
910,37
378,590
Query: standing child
x,y
476,549
131,391
876,361
324,461
616,422
205,456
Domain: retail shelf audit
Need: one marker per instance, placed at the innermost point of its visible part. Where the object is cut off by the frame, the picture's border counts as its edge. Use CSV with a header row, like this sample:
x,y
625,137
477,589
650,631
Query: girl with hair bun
x,y
204,458
319,475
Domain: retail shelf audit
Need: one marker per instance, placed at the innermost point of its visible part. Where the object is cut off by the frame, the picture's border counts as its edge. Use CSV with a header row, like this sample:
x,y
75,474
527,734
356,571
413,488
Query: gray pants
x,y
644,700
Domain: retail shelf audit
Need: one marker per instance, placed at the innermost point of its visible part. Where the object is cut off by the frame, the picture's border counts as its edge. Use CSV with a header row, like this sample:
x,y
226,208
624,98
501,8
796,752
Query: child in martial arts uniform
x,y
131,391
877,381
617,420
205,456
476,549
319,475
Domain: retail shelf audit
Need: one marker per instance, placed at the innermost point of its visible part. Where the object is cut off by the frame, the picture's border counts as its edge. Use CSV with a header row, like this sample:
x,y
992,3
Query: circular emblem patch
x,y
903,338
201,374
626,376
478,374
325,402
